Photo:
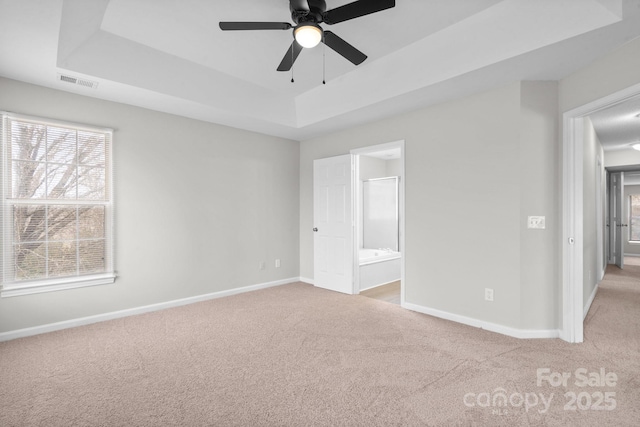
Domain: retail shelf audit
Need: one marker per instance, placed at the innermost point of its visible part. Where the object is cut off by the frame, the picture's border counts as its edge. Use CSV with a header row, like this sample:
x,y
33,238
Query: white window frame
x,y
12,288
630,216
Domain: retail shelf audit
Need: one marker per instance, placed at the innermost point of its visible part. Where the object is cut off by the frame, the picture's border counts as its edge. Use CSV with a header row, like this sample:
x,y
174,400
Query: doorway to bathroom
x,y
379,221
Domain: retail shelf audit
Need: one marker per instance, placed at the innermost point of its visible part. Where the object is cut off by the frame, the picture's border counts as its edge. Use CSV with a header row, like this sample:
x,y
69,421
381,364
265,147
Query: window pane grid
x,y
58,240
56,199
57,163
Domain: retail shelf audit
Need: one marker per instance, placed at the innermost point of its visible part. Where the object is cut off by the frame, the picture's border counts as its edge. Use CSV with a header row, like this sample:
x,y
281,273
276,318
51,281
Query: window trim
x,y
29,287
629,217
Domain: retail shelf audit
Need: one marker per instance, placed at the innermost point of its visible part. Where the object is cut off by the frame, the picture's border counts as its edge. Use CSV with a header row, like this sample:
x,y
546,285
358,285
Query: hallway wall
x,y
593,160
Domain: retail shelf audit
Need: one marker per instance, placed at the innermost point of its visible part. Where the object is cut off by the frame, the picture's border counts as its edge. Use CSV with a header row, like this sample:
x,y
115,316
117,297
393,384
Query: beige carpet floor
x,y
295,355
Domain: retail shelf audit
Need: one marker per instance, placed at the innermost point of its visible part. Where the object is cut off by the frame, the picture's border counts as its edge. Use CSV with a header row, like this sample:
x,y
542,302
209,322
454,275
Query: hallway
x,y
613,322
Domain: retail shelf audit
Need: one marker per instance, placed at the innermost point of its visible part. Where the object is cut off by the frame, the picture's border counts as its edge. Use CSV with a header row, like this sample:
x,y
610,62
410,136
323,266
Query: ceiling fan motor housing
x,y
307,11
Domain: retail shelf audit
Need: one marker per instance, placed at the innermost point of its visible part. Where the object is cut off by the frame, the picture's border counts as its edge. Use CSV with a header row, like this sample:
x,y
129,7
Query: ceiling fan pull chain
x,y
292,62
324,60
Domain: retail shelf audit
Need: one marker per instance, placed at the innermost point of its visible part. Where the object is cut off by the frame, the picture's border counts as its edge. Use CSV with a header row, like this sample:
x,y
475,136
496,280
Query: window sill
x,y
52,285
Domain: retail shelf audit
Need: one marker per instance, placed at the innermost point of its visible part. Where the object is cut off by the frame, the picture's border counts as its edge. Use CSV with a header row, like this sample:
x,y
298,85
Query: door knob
x,y
315,229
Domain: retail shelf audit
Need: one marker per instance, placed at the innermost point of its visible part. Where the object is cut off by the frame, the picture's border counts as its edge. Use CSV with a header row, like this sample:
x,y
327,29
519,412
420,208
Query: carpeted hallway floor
x,y
296,355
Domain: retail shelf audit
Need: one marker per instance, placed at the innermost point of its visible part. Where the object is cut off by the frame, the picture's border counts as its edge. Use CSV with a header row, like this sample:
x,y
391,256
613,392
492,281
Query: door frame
x,y
617,221
601,207
356,152
632,169
572,211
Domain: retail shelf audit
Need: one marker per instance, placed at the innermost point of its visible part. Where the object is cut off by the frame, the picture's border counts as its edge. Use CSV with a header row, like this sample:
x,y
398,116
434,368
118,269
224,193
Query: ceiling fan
x,y
307,33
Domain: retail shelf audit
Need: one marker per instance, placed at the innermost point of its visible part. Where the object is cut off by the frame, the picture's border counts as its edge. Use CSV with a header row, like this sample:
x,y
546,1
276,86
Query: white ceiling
x,y
170,55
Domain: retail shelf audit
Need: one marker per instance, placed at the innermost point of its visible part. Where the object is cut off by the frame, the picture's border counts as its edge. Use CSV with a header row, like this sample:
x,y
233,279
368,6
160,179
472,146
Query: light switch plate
x,y
536,222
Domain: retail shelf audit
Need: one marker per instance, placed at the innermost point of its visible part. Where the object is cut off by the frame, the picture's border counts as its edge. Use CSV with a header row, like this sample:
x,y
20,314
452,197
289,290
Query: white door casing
x,y
610,210
333,223
572,211
619,226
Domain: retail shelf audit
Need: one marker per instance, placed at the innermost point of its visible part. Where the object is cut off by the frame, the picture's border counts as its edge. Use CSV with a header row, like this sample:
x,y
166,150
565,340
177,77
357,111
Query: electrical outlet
x,y
488,294
536,222
277,263
262,265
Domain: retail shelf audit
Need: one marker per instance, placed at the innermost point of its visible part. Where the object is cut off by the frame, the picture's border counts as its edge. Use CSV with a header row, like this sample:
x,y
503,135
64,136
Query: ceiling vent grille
x,y
77,81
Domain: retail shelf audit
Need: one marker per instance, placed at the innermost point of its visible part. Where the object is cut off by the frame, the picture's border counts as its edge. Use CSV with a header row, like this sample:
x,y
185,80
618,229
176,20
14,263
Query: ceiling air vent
x,y
77,81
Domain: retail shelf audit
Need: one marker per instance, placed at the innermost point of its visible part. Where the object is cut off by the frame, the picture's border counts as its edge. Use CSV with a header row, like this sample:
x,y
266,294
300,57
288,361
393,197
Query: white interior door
x,y
618,218
333,223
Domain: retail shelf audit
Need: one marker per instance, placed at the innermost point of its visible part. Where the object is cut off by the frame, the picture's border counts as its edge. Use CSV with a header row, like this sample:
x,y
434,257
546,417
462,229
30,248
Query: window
x,y
57,206
634,218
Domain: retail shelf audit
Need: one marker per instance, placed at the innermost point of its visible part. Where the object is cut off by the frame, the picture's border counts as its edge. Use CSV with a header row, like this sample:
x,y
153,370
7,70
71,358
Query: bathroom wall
x,y
372,167
394,167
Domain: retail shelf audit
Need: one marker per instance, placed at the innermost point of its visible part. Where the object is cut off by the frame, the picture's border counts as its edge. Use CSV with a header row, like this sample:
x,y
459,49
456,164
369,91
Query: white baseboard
x,y
26,332
493,327
307,280
587,306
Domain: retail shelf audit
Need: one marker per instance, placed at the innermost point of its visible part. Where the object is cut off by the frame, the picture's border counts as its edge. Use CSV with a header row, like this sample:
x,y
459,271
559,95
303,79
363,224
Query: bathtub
x,y
378,267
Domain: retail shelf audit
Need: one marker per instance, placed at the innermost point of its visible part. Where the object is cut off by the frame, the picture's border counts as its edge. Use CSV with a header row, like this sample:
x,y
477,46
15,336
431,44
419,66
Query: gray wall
x,y
621,158
394,167
198,206
372,167
539,175
465,183
614,72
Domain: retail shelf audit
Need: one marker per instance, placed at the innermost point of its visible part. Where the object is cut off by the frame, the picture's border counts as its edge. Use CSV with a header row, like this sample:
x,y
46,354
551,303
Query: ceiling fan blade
x,y
232,26
356,10
344,48
290,57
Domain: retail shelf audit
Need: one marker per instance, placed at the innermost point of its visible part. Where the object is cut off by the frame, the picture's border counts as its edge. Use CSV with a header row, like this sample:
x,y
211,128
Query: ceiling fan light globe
x,y
308,35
